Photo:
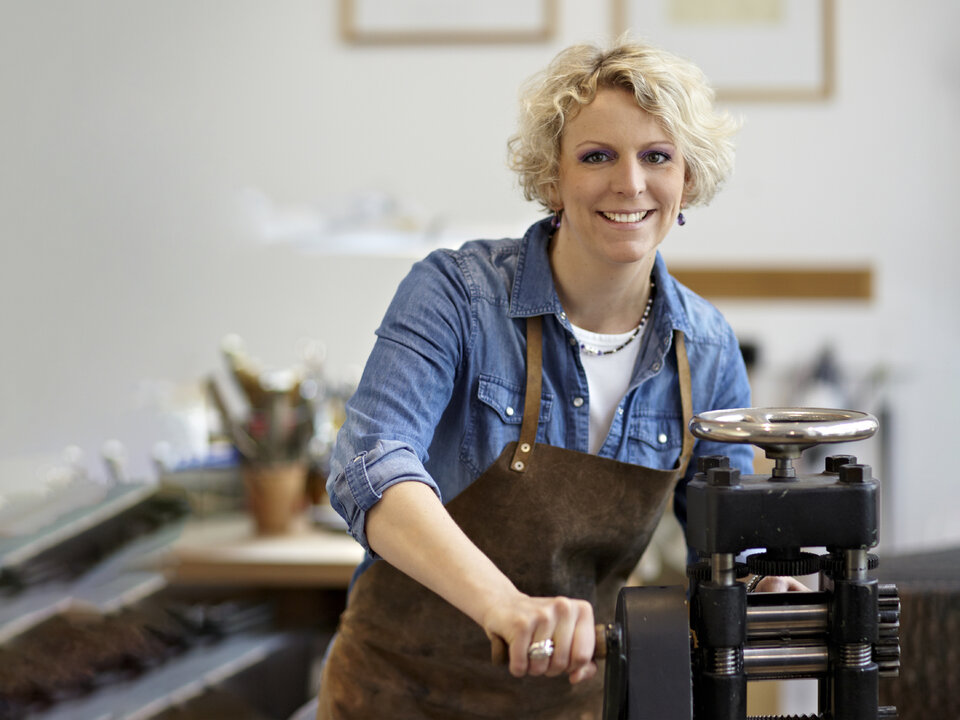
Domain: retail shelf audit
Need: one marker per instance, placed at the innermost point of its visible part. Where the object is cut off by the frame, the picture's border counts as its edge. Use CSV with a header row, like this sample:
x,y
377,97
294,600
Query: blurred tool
x,y
281,405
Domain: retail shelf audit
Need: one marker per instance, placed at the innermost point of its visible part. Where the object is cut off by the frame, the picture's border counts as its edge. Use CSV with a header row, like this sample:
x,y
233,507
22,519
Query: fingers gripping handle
x,y
500,651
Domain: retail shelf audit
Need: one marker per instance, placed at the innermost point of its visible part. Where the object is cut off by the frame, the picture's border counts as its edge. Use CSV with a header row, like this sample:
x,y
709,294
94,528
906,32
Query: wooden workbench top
x,y
225,550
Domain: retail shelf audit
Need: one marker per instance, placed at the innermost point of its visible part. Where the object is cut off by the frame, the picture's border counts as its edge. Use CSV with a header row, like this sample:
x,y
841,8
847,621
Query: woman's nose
x,y
629,180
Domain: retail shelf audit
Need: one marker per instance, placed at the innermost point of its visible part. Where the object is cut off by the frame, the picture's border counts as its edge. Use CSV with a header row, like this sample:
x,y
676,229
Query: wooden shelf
x,y
777,283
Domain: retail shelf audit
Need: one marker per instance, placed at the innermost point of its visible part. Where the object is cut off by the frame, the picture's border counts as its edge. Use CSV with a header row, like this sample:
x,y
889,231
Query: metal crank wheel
x,y
648,675
783,432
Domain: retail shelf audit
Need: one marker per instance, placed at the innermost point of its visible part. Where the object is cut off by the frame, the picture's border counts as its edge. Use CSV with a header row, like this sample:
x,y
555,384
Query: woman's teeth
x,y
626,217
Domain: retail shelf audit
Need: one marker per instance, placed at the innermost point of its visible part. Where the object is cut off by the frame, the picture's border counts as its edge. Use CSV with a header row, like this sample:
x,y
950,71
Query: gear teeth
x,y
766,564
886,652
701,570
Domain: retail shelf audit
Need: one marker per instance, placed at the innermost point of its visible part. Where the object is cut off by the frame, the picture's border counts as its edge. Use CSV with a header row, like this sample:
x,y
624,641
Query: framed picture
x,y
379,22
751,50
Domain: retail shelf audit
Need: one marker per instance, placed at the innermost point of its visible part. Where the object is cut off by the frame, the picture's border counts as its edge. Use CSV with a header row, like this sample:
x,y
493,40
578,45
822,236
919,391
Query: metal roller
x,y
845,634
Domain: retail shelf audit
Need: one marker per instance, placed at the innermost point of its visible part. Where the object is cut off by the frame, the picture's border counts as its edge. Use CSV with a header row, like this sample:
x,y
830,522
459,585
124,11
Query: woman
x,y
521,423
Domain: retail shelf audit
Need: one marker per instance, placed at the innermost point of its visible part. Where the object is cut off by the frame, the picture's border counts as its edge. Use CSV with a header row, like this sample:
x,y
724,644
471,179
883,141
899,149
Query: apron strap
x,y
531,400
686,402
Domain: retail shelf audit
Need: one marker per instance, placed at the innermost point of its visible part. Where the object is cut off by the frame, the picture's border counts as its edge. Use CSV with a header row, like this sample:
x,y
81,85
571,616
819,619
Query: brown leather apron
x,y
556,522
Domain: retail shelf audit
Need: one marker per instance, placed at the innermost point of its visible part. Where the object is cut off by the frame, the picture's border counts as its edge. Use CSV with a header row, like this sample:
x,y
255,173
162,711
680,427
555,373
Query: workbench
x,y
224,550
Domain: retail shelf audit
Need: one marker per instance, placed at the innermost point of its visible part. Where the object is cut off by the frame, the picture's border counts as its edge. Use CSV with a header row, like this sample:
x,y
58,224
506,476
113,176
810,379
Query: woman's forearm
x,y
410,529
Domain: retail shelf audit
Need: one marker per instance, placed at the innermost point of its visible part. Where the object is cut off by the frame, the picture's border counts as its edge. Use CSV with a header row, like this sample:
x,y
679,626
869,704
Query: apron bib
x,y
556,522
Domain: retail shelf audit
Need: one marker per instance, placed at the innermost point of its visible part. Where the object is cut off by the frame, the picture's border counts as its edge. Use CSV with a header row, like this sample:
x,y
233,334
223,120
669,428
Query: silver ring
x,y
541,650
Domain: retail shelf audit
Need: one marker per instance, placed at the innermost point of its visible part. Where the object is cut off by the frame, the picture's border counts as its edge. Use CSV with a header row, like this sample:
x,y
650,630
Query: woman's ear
x,y
551,194
687,189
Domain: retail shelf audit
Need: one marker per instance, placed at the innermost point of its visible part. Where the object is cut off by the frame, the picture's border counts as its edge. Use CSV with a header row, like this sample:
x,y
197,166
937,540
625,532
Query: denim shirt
x,y
442,391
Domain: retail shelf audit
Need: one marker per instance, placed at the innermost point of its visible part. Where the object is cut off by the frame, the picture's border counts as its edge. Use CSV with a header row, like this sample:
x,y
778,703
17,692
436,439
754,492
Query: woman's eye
x,y
596,156
655,157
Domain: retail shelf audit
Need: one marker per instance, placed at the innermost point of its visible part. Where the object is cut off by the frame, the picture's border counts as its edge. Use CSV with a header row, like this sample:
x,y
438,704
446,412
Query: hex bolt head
x,y
834,462
855,473
706,462
723,477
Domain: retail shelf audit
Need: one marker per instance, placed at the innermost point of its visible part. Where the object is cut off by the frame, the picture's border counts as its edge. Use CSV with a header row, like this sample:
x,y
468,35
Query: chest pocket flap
x,y
506,399
656,432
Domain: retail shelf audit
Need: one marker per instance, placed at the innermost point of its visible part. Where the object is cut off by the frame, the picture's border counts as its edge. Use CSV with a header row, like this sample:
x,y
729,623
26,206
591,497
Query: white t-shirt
x,y
608,377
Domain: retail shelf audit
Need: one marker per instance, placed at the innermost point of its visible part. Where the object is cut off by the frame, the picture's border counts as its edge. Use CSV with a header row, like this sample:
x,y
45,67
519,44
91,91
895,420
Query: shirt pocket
x,y
654,440
496,416
505,398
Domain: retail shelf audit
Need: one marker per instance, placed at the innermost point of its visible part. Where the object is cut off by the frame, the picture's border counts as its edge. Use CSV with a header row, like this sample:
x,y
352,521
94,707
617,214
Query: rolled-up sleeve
x,y
362,481
406,385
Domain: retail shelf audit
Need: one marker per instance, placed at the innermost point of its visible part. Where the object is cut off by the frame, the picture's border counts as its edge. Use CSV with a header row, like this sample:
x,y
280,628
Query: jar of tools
x,y
272,435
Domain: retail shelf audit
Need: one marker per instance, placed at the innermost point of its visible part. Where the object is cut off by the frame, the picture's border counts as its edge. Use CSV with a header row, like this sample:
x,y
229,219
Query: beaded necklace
x,y
590,350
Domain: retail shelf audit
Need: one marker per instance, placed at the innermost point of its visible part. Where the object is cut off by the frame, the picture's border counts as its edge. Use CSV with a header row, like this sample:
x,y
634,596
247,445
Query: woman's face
x,y
620,183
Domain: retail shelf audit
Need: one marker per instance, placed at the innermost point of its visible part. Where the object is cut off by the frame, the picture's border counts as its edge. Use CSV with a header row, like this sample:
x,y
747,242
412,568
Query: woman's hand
x,y
523,620
773,583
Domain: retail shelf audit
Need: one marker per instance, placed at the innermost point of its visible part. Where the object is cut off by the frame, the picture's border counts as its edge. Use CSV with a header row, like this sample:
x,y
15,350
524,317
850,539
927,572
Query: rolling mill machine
x,y
675,653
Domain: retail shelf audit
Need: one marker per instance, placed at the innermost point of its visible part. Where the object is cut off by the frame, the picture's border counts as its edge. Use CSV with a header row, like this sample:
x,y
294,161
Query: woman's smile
x,y
624,218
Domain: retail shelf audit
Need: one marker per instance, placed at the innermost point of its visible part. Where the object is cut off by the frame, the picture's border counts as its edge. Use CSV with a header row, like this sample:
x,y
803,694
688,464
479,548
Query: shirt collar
x,y
534,292
669,311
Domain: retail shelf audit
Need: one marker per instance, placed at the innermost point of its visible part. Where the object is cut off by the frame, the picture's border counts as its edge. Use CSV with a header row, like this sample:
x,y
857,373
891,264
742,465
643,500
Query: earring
x,y
557,217
681,220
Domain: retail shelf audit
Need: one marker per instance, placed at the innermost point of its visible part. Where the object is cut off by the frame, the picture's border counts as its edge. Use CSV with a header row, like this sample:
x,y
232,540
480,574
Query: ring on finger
x,y
541,650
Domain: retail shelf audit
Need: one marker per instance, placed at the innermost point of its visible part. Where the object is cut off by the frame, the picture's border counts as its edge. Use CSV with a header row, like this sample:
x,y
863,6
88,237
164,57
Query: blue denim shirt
x,y
442,391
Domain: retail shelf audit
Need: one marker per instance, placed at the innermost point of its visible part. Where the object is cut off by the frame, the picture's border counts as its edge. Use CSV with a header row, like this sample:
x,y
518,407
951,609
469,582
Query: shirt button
x,y
619,411
662,437
656,367
577,401
509,411
573,341
563,315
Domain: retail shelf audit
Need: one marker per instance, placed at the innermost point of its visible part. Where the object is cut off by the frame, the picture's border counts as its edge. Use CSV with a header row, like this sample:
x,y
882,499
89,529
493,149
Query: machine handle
x,y
784,425
500,655
783,432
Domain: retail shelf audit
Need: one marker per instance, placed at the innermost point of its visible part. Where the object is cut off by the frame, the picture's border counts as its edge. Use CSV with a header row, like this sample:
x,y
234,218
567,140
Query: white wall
x,y
129,131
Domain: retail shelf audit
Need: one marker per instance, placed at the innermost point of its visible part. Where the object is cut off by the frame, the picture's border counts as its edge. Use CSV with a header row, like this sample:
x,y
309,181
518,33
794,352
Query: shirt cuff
x,y
363,480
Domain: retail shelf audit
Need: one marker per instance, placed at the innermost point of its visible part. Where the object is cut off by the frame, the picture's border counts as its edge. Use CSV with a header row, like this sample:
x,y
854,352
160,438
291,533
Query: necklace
x,y
590,350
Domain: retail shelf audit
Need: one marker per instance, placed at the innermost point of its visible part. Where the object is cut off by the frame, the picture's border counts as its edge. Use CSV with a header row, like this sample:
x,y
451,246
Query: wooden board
x,y
774,283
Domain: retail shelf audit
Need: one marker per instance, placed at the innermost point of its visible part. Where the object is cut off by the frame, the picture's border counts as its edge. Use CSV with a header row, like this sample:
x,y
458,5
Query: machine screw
x,y
854,474
705,463
725,660
834,462
723,477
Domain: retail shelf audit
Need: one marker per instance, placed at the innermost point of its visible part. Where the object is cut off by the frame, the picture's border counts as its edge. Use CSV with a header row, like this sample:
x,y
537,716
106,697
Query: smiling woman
x,y
615,145
620,188
667,87
521,424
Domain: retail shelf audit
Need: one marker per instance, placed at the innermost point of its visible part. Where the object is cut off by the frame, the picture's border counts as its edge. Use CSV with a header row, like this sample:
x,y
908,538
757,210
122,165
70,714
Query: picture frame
x,y
426,22
750,50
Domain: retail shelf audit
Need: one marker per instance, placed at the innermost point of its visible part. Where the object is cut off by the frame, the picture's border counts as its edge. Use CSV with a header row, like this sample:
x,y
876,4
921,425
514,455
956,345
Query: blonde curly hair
x,y
671,89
